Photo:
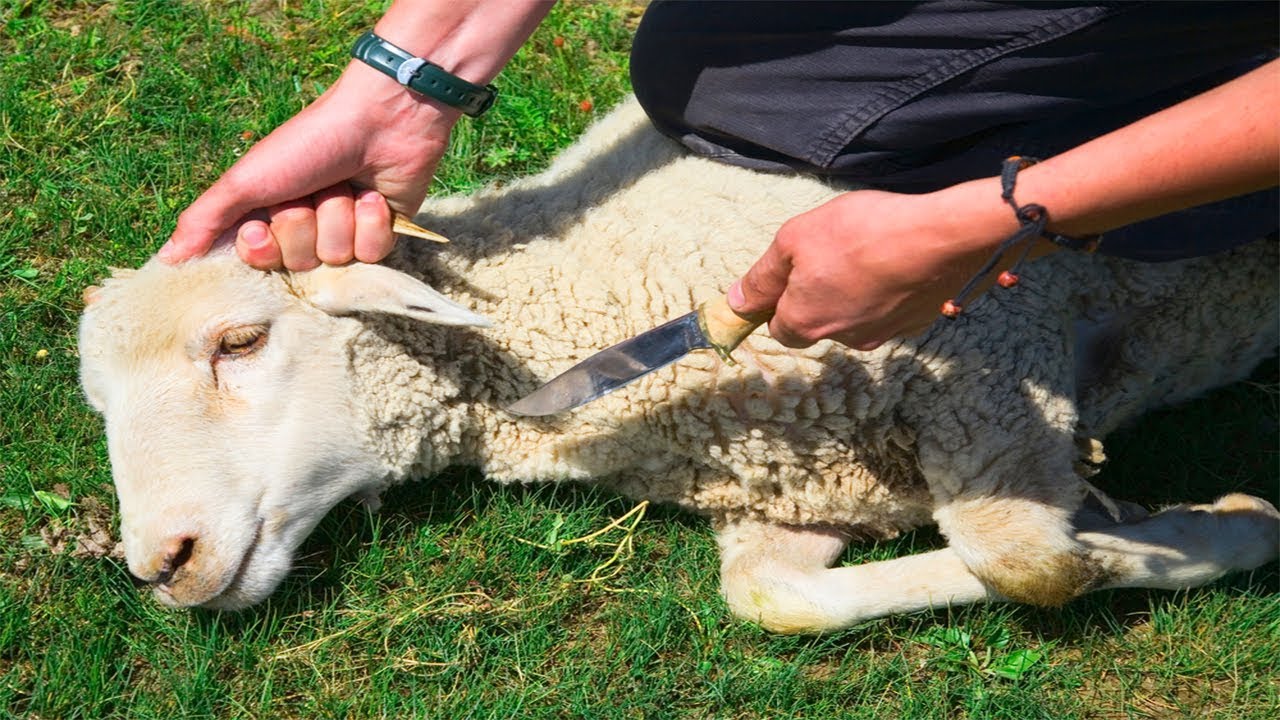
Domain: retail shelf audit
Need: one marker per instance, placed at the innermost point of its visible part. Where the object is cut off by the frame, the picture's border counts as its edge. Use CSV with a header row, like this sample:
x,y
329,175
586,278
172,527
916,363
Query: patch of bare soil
x,y
86,533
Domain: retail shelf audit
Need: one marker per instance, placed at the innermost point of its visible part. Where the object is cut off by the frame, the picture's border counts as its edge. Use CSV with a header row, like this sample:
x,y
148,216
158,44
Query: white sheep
x,y
241,406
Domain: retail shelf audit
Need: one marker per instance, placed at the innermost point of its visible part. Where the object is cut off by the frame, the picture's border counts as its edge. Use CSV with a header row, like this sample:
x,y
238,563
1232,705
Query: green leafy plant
x,y
988,654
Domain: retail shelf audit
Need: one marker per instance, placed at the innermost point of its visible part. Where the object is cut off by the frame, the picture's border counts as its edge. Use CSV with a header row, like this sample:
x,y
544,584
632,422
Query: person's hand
x,y
869,266
325,179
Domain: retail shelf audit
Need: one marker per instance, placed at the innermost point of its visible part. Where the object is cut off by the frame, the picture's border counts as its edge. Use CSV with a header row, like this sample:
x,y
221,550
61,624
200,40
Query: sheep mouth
x,y
231,591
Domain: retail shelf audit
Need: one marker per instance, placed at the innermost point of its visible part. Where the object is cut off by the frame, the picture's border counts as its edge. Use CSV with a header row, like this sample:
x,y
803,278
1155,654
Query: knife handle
x,y
403,225
726,329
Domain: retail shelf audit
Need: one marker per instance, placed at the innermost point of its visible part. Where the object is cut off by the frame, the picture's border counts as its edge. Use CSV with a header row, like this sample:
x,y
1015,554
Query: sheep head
x,y
227,401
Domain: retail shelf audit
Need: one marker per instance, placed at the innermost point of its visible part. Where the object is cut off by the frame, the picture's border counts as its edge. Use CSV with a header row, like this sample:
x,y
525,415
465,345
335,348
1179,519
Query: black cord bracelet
x,y
1032,219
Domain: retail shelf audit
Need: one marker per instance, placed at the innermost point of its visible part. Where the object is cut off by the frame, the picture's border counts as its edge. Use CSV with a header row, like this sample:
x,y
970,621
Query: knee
x,y
1024,551
765,594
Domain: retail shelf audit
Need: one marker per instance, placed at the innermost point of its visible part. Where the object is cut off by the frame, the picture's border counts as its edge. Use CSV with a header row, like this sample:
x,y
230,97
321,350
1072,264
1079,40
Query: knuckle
x,y
786,334
791,235
373,250
863,345
751,287
258,258
292,214
302,262
190,228
334,253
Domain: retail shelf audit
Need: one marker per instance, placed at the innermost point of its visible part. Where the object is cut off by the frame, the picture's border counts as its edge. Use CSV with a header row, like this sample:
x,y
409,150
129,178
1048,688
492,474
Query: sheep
x,y
241,406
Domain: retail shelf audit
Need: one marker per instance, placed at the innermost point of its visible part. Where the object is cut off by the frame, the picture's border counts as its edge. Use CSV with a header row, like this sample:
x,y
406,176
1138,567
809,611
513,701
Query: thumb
x,y
758,291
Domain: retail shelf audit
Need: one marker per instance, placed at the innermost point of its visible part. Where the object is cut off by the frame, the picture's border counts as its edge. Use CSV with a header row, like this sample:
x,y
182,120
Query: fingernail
x,y
369,197
254,235
734,296
166,252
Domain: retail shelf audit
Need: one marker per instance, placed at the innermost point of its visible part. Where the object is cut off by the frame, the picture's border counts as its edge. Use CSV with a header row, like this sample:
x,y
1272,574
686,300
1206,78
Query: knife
x,y
713,325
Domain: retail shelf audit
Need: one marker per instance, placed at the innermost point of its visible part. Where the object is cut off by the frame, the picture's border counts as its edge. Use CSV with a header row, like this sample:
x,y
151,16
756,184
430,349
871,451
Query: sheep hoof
x,y
1090,456
370,498
1239,502
1099,510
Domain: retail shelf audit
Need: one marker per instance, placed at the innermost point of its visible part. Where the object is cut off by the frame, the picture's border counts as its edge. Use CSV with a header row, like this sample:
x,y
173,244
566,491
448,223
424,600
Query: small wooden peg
x,y
405,226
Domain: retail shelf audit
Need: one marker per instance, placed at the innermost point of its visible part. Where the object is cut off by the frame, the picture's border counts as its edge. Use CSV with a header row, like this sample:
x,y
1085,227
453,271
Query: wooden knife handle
x,y
726,329
405,226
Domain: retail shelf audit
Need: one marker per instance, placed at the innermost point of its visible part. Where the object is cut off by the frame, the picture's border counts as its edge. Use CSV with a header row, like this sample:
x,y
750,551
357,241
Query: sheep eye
x,y
241,341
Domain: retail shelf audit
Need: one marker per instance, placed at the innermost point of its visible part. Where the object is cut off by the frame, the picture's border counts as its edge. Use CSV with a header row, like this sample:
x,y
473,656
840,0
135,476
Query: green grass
x,y
113,116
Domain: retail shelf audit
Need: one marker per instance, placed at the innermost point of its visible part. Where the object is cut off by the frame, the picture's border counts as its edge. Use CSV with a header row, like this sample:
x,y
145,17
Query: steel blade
x,y
614,367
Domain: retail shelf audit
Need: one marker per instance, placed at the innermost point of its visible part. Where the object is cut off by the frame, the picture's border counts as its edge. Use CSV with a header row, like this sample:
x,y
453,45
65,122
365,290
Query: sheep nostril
x,y
175,560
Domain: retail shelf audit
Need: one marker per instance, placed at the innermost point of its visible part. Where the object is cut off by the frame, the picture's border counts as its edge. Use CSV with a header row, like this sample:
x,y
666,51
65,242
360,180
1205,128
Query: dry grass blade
x,y
380,619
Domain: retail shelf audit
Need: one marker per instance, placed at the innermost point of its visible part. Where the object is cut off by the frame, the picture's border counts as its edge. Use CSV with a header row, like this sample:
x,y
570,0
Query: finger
x,y
256,247
374,239
293,224
335,225
760,289
782,333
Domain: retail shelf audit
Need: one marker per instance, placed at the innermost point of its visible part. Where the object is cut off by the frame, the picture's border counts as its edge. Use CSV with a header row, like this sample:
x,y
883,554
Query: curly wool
x,y
623,232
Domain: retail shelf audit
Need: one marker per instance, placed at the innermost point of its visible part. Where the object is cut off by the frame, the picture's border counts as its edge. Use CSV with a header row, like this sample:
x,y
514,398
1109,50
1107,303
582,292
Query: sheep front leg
x,y
1187,545
781,577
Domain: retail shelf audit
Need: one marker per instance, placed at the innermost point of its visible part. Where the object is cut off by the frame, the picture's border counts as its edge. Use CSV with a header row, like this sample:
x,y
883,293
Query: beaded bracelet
x,y
1032,219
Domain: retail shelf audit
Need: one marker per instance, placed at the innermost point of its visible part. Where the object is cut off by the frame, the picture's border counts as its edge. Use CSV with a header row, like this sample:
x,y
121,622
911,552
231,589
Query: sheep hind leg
x,y
781,577
1015,525
1186,545
1025,549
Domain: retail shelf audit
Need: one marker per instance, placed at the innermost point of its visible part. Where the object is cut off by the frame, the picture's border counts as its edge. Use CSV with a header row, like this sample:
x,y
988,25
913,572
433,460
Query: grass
x,y
114,115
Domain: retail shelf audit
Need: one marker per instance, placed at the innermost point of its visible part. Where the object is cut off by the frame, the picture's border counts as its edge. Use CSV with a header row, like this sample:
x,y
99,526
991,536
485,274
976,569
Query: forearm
x,y
1219,144
868,266
472,39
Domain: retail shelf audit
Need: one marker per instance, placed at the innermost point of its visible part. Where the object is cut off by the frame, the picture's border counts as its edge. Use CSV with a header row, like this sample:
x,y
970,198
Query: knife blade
x,y
713,325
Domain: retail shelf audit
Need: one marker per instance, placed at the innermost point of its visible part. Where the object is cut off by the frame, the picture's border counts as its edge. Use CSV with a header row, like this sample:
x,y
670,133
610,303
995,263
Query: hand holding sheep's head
x,y
227,410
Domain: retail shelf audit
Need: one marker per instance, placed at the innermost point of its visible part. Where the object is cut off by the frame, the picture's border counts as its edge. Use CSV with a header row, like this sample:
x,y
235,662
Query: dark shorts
x,y
913,97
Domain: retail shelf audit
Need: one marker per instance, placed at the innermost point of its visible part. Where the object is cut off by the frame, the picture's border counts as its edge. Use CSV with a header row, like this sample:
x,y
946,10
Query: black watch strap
x,y
422,76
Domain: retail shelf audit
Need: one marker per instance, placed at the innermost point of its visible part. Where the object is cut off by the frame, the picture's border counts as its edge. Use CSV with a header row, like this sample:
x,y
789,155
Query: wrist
x,y
422,76
973,215
374,100
979,220
472,39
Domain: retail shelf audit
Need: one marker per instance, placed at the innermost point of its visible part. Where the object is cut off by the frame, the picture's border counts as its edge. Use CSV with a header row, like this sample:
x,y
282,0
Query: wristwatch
x,y
422,76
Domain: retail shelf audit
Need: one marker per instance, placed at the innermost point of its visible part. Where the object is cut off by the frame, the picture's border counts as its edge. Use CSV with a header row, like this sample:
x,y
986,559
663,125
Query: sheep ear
x,y
363,288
